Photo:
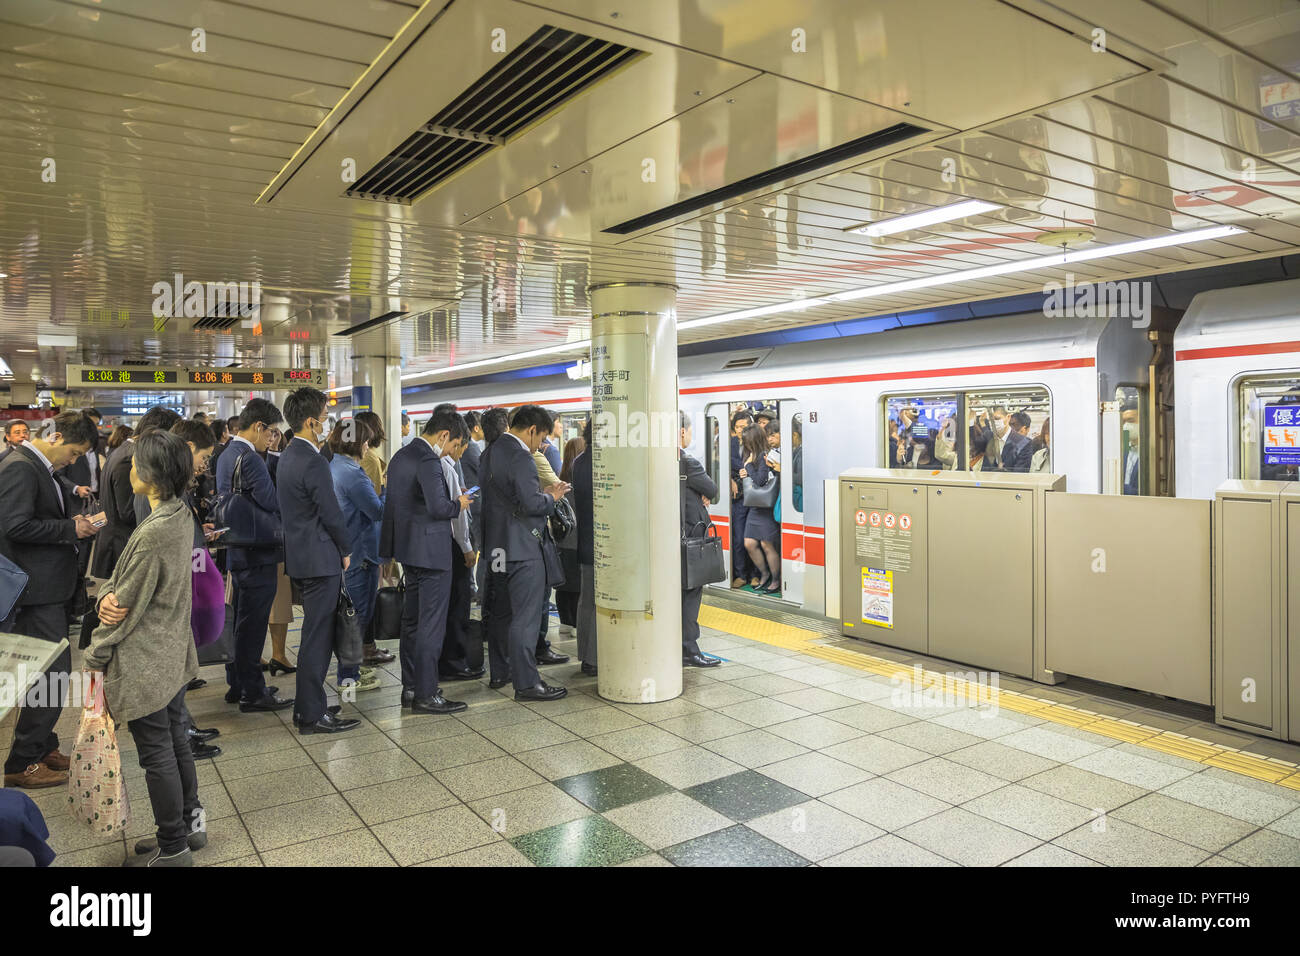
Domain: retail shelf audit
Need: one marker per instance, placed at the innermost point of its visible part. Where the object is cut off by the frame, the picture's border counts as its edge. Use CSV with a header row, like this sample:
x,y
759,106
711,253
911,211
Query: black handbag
x,y
551,559
386,622
702,560
251,526
222,650
347,631
563,520
761,496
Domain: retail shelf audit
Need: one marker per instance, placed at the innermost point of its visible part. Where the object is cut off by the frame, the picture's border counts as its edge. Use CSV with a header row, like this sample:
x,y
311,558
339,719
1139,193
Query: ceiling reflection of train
x,y
1172,409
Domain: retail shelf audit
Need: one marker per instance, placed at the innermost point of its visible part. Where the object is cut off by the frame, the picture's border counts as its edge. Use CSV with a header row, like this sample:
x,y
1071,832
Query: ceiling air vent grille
x,y
539,76
216,323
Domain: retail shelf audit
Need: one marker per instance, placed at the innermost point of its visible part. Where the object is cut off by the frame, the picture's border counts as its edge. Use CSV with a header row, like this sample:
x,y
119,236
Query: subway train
x,y
1175,407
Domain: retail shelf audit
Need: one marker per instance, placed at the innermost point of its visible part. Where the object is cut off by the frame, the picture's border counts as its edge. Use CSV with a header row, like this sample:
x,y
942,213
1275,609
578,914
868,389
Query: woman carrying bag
x,y
697,489
146,650
761,489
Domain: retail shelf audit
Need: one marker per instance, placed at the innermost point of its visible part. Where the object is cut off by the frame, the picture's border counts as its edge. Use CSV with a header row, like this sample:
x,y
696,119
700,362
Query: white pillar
x,y
634,471
377,373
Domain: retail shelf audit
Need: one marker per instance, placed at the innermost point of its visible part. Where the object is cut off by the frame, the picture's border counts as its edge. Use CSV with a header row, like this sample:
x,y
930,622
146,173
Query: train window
x,y
921,431
1133,480
1270,427
796,457
1009,429
713,449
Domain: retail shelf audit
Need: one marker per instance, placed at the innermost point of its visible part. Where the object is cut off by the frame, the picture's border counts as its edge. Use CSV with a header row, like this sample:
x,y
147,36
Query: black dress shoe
x,y
202,736
408,698
267,701
550,657
196,684
589,670
232,696
542,691
466,674
437,704
329,724
699,660
202,751
498,684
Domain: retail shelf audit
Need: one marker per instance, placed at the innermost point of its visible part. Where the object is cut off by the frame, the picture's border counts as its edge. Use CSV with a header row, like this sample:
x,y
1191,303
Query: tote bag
x,y
96,789
208,611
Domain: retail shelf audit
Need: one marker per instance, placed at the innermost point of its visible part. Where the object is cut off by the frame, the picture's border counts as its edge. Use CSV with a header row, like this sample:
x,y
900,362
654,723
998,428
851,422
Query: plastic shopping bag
x,y
96,789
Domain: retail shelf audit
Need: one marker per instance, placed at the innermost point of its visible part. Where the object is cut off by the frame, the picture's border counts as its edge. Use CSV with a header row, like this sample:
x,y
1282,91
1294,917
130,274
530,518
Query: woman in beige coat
x,y
145,647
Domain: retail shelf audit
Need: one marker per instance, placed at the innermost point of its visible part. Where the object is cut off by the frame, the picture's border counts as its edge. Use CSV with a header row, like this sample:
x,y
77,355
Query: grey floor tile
x,y
734,846
237,745
876,754
650,859
1233,798
1090,790
704,726
279,787
815,731
746,795
762,711
662,710
239,767
354,848
884,803
493,854
861,688
1220,862
573,702
613,787
412,731
565,760
667,819
768,685
487,778
815,774
1125,844
1285,794
348,745
1289,824
435,834
967,838
497,714
597,720
1050,855
532,808
987,722
360,771
399,798
530,735
291,823
816,700
1137,770
931,737
717,694
1265,848
1184,821
755,748
686,767
109,854
887,851
868,718
1029,811
1053,744
814,674
588,841
945,780
814,830
635,743
1005,762
448,752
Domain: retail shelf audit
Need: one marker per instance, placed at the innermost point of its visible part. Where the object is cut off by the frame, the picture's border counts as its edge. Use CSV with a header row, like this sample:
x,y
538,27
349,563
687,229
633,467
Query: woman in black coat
x,y
697,489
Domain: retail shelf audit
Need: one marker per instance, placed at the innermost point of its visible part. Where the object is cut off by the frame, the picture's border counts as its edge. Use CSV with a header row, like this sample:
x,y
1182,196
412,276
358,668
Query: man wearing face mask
x,y
999,430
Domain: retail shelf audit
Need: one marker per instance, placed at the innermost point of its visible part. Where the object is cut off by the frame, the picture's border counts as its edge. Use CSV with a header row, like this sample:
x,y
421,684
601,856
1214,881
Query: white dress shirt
x,y
460,523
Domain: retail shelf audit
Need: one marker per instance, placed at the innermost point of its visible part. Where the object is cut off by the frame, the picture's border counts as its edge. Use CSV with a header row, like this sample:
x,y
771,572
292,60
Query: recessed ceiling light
x,y
916,220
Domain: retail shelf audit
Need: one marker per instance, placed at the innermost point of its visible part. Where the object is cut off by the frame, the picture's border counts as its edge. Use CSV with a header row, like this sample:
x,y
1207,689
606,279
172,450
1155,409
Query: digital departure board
x,y
138,377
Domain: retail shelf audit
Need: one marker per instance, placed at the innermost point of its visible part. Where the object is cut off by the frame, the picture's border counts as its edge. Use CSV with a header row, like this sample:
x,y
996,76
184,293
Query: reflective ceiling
x,y
142,139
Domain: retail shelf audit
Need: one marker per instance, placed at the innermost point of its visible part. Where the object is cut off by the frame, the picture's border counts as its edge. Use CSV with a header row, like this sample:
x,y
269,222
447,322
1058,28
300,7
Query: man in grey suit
x,y
416,530
317,551
515,511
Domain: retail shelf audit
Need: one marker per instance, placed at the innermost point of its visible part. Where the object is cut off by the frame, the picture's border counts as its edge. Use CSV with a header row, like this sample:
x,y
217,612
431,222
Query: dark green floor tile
x,y
613,787
734,846
746,795
588,841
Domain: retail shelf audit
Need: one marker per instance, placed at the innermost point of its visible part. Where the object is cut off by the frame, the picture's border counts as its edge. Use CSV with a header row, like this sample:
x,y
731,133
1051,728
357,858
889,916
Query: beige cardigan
x,y
150,656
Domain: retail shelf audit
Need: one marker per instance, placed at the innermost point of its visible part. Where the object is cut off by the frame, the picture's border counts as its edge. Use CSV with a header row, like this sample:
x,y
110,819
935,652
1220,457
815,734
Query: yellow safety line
x,y
800,639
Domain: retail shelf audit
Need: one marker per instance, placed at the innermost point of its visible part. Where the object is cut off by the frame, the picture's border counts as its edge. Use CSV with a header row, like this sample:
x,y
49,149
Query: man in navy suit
x,y
1017,452
515,512
416,530
252,570
317,551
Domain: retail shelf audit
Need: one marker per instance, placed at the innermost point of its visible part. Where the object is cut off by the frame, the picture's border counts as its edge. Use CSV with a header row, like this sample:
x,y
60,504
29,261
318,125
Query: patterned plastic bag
x,y
96,789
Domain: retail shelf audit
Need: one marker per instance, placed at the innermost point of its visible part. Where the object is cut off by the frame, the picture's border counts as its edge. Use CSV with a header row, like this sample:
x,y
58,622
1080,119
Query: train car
x,y
1236,378
839,402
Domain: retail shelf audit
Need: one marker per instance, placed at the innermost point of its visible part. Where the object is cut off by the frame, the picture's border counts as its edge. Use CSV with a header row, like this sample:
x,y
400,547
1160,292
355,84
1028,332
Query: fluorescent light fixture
x,y
512,357
917,220
52,341
5,370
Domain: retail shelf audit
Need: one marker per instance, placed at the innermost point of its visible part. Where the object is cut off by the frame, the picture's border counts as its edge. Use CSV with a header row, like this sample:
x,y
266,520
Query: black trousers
x,y
494,600
741,564
254,590
320,599
455,644
34,734
525,595
169,773
691,621
424,626
566,603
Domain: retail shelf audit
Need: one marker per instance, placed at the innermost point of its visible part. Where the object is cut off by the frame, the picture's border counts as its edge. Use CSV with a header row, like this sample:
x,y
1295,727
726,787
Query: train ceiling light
x,y
918,220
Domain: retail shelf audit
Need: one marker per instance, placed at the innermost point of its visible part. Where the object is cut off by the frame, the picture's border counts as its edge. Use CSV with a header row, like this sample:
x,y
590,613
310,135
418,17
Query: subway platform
x,y
802,748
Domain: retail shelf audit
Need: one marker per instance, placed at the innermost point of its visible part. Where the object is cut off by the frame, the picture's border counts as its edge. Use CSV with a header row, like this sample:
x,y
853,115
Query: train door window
x,y
718,449
1269,427
796,460
921,431
1009,429
1132,450
712,443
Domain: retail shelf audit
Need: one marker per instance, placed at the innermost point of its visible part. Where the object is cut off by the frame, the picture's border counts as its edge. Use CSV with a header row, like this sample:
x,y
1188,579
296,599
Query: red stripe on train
x,y
1226,351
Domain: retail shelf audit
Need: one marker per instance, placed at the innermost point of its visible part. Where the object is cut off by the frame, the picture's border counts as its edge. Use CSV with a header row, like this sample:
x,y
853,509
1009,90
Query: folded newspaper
x,y
22,661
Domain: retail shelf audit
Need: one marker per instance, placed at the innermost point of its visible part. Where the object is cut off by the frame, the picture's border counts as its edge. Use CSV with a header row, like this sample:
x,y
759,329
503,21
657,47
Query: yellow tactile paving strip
x,y
793,638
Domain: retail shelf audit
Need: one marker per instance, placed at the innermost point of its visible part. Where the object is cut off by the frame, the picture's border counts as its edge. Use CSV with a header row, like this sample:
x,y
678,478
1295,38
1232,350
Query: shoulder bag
x,y
347,630
251,526
386,622
702,560
761,496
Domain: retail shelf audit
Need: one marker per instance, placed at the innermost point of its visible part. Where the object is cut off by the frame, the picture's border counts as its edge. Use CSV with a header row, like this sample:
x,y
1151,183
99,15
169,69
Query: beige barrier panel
x,y
1250,668
1291,589
1128,592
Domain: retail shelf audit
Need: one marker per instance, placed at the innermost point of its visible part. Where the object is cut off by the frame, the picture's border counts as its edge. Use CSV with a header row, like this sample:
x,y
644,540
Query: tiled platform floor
x,y
772,759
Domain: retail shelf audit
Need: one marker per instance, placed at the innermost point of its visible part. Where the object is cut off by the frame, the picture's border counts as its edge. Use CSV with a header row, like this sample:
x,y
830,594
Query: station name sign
x,y
193,377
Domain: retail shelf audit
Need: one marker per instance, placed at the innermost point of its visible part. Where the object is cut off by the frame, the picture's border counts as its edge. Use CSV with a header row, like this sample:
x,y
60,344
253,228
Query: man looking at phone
x,y
454,661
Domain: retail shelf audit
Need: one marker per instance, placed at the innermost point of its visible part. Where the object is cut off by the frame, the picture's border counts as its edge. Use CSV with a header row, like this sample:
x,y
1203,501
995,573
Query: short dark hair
x,y
459,430
195,432
10,426
163,460
302,404
684,419
443,419
586,433
200,416
356,446
406,419
232,422
259,410
158,417
375,424
444,407
532,416
76,429
495,423
472,420
93,412
1020,420
740,416
774,426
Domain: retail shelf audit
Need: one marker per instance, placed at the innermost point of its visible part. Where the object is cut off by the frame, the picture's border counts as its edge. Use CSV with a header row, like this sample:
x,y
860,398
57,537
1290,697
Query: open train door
x,y
717,462
793,556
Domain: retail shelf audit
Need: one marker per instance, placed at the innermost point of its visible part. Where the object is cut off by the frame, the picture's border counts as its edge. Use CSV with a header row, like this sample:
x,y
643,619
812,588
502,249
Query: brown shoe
x,y
738,582
37,775
56,761
374,654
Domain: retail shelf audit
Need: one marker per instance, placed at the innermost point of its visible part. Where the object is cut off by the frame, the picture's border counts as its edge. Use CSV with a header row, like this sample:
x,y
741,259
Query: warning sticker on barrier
x,y
878,597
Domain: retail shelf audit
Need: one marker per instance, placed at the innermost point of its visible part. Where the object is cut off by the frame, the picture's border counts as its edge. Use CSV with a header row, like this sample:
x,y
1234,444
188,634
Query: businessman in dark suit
x,y
116,496
80,480
416,530
696,486
38,534
1017,452
317,551
252,570
514,515
469,466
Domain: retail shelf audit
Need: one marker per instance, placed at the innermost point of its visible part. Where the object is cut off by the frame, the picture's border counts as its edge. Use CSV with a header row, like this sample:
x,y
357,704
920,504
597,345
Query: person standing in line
x,y
543,654
568,593
697,489
553,443
146,651
515,532
469,466
80,480
252,570
491,579
376,469
453,662
362,510
584,506
117,498
762,533
416,531
742,568
38,535
316,554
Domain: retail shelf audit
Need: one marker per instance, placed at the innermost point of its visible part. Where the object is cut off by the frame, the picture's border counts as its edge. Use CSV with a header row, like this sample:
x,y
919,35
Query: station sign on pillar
x,y
377,382
638,592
